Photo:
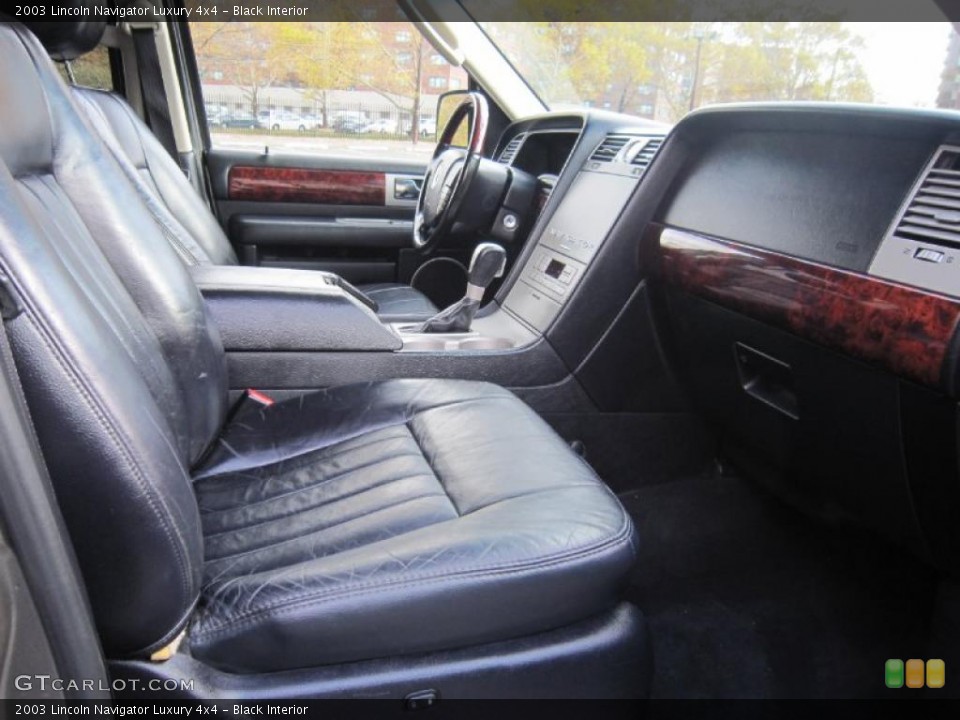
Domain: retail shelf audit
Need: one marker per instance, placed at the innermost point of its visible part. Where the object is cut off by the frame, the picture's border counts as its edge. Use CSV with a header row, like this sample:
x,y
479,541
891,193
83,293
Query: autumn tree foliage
x,y
616,64
688,64
316,56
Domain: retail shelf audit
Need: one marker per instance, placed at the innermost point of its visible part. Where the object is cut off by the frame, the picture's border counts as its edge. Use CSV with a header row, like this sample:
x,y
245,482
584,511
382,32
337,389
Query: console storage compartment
x,y
273,309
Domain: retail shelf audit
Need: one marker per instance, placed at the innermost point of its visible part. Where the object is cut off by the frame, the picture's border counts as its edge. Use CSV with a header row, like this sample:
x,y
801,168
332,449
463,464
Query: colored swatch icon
x,y
914,673
936,673
893,673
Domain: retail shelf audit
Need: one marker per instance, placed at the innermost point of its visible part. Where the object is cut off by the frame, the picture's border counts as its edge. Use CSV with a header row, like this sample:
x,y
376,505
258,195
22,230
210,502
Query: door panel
x,y
309,185
352,216
289,142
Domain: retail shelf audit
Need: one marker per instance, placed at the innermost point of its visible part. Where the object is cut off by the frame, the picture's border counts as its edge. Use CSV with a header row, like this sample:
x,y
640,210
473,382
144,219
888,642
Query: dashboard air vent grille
x,y
510,151
609,149
645,156
933,214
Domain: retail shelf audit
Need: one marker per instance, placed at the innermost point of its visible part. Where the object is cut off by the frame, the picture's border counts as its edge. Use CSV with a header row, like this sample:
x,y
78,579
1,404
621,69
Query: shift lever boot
x,y
488,262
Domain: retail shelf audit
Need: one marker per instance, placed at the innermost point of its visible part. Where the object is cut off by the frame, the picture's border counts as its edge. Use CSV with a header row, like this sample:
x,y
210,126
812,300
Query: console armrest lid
x,y
276,309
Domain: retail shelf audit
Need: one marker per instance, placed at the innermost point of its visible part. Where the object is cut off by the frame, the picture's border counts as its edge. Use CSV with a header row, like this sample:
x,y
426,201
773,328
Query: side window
x,y
91,70
365,89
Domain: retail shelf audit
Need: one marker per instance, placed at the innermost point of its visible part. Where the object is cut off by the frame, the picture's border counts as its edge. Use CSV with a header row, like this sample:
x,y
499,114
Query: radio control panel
x,y
552,272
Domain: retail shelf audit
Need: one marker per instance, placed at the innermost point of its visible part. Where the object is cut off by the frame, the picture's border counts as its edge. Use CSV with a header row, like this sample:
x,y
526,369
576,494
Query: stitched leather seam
x,y
154,500
178,245
417,437
306,455
130,170
402,420
295,603
433,469
299,511
542,491
301,462
391,506
157,194
74,262
172,237
101,296
122,107
307,488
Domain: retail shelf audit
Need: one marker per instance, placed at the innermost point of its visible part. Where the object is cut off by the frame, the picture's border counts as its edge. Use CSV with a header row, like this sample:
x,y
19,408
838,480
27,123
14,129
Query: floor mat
x,y
748,598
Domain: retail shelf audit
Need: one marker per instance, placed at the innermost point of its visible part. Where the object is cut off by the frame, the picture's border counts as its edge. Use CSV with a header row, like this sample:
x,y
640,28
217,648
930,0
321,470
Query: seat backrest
x,y
123,371
185,219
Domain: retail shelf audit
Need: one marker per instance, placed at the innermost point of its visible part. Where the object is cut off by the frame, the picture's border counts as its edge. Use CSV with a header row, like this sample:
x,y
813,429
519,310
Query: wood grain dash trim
x,y
905,330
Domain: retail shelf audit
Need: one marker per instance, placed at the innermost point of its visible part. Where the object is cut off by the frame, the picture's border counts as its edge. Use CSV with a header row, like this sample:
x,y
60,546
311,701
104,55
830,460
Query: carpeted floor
x,y
747,598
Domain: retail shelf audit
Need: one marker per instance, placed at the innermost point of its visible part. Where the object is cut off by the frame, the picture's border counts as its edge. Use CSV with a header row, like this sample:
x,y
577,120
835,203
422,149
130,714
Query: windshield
x,y
663,70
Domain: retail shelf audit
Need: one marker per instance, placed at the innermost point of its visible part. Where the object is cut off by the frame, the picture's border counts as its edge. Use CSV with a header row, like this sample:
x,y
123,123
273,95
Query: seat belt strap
x,y
152,90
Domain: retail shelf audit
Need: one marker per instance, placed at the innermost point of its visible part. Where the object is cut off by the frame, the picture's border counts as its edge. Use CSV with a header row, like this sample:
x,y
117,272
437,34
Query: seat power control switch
x,y
421,700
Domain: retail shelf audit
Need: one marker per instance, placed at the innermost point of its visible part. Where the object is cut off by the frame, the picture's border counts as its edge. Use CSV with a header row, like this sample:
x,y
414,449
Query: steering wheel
x,y
450,173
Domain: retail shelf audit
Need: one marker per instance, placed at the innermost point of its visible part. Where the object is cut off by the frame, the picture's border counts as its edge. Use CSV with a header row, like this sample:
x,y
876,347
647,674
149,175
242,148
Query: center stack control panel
x,y
578,228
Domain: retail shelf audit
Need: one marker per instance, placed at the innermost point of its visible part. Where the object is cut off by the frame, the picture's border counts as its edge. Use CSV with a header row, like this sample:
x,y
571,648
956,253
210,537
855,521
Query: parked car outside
x,y
215,113
285,121
349,121
349,125
312,121
241,120
384,126
426,128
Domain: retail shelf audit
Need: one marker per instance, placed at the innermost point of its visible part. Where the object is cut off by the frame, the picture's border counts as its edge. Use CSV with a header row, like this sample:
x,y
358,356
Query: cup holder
x,y
485,343
424,343
449,343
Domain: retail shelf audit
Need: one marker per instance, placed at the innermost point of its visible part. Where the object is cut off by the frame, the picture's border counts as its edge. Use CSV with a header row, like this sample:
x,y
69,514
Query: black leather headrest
x,y
68,39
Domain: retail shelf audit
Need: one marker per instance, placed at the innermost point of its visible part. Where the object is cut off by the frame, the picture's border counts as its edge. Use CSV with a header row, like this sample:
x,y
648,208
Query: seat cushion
x,y
383,519
399,303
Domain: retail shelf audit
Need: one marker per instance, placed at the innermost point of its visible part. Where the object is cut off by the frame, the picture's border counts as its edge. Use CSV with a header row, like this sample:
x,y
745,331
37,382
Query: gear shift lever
x,y
488,262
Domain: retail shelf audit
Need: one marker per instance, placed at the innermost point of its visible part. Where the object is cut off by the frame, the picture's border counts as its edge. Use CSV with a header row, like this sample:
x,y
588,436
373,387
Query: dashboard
x,y
543,152
793,269
806,269
839,226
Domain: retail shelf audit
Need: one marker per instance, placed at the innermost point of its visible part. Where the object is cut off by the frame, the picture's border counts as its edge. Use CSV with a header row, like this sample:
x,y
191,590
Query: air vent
x,y
608,150
645,156
510,151
933,214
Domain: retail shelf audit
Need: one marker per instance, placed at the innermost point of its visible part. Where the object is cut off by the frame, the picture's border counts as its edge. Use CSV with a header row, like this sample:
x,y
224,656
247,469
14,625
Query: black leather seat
x,y
359,522
395,518
200,238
